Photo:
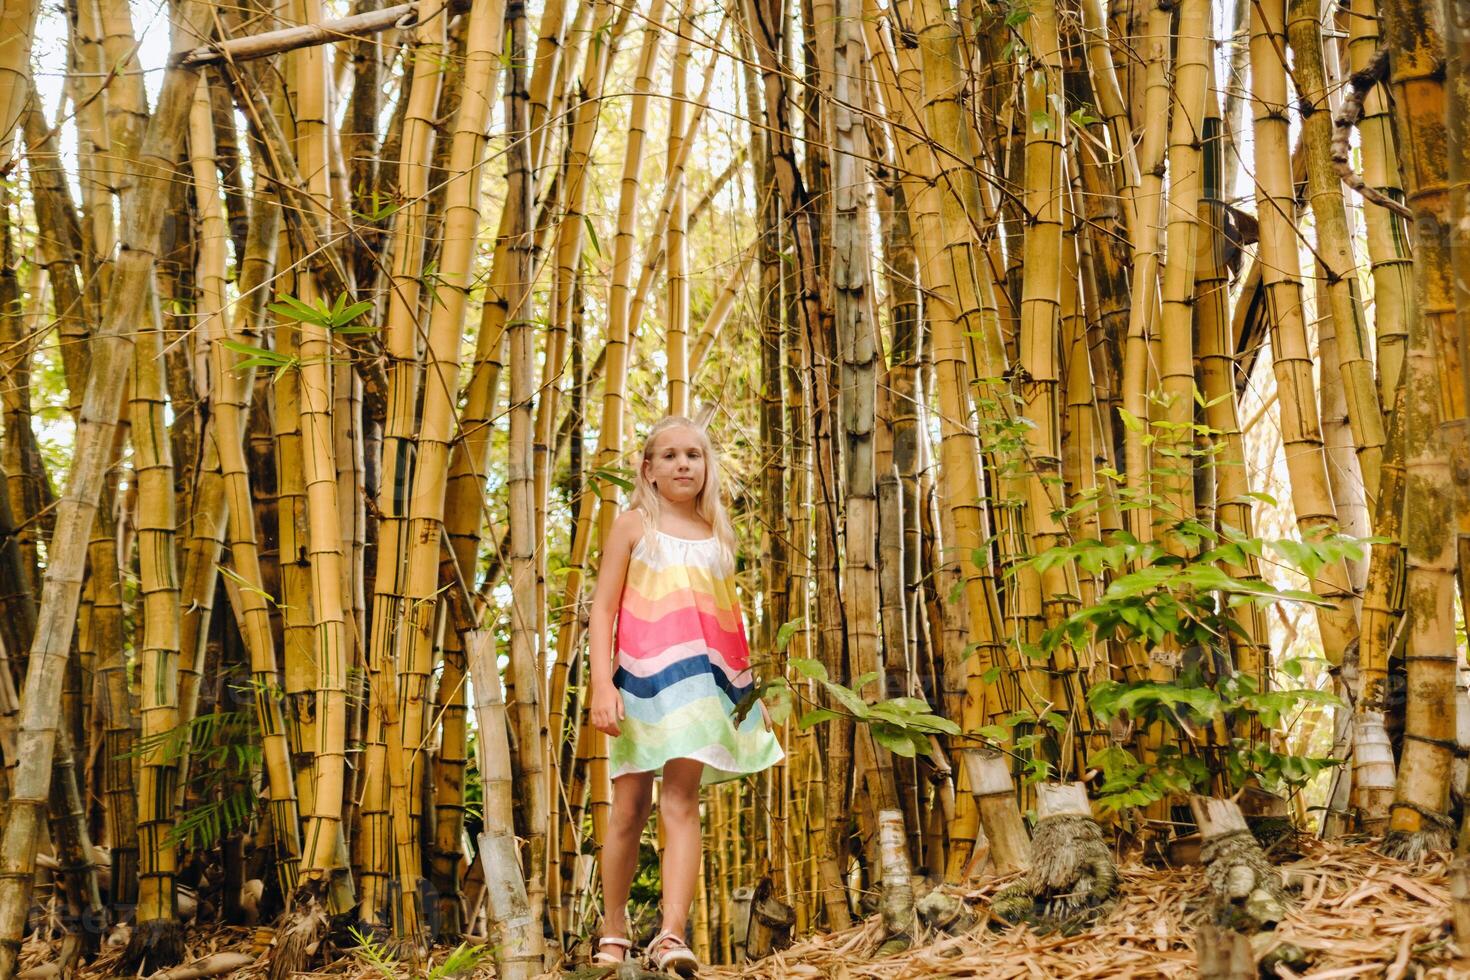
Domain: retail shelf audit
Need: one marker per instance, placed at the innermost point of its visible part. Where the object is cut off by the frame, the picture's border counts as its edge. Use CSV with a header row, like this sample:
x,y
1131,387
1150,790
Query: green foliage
x,y
380,956
1189,706
902,725
337,318
223,751
1183,608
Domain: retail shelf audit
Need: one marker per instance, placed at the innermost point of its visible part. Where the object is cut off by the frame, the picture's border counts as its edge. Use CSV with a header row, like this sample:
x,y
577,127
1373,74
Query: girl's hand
x,y
607,709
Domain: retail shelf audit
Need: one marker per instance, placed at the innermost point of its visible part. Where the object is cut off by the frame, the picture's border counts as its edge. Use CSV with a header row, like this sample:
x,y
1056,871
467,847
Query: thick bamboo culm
x,y
1335,244
1291,360
1418,816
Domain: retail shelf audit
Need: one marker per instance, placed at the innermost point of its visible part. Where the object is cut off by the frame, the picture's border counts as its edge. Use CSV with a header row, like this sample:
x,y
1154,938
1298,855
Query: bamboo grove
x,y
1062,351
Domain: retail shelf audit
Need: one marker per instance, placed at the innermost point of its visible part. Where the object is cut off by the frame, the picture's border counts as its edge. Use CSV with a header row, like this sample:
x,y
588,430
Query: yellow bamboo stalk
x,y
1040,334
127,103
207,516
252,602
1145,304
1389,251
1335,243
1217,370
441,387
676,311
323,814
1301,431
943,242
17,31
1186,180
94,156
425,53
1109,96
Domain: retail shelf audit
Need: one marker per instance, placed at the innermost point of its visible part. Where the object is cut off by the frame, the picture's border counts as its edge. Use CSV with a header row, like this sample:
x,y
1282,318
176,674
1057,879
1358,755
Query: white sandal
x,y
601,958
675,957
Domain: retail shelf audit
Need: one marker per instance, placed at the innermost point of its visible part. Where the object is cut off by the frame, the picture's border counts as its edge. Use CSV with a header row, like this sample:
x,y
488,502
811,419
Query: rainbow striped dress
x,y
683,664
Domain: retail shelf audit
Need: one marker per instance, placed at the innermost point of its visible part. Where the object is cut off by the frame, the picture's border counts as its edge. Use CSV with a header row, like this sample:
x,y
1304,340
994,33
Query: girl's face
x,y
675,464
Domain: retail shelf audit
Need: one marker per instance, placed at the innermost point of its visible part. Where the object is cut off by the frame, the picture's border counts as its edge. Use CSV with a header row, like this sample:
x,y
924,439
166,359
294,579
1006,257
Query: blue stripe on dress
x,y
653,684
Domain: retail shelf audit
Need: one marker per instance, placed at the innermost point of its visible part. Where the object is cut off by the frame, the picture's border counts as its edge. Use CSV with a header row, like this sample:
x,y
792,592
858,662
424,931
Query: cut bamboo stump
x,y
897,903
1460,902
1072,879
995,797
1248,893
1224,954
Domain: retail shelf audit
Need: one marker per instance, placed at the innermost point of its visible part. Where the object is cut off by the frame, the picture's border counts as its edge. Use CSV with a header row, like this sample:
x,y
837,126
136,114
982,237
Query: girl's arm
x,y
611,574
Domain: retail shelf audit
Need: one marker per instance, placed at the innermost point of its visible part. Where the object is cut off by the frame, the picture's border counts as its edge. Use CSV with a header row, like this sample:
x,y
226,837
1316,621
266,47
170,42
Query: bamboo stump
x,y
1224,954
946,913
1247,891
995,797
1072,880
897,902
1460,902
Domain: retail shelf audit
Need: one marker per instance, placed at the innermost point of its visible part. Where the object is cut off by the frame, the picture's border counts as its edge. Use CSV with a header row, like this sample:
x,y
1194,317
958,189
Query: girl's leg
x,y
632,801
678,805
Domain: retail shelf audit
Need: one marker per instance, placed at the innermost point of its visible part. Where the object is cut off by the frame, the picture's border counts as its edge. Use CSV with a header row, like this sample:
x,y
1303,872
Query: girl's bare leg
x,y
632,802
678,806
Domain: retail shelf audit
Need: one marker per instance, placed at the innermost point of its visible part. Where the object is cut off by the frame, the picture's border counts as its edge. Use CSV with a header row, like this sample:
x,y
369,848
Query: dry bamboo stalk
x,y
518,952
56,616
852,287
267,43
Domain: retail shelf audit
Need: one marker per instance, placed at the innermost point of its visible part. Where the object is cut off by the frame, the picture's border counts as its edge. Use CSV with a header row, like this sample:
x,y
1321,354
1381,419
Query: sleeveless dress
x,y
683,664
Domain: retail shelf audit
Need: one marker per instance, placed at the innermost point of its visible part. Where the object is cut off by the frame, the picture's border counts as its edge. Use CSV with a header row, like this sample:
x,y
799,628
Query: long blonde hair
x,y
708,504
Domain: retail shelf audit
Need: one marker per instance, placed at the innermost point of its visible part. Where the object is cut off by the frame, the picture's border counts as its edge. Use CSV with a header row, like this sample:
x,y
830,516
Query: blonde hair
x,y
708,504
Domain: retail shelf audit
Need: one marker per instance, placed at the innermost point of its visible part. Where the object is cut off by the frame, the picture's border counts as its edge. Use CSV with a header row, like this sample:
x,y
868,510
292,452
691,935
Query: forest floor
x,y
1357,914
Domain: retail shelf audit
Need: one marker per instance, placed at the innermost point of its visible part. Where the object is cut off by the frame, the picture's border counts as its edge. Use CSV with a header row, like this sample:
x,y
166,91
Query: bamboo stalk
x,y
441,386
676,309
1335,244
1418,817
56,615
1291,360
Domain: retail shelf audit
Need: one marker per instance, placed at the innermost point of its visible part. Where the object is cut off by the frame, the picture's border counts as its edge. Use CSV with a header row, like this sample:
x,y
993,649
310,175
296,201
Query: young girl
x,y
667,578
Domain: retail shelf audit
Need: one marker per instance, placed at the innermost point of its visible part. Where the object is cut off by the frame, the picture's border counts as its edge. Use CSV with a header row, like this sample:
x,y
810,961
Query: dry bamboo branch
x,y
400,17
